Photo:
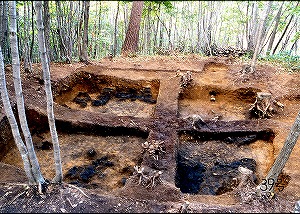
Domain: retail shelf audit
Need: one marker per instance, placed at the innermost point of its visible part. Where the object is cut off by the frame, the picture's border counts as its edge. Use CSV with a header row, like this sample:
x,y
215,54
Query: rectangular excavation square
x,y
108,94
216,103
207,163
101,159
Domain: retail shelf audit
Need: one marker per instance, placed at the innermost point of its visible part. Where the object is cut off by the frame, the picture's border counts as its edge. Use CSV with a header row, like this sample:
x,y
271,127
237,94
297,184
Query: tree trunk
x,y
288,36
267,186
46,19
4,33
61,33
26,57
259,35
253,27
13,123
69,31
148,31
98,46
285,29
83,56
156,30
46,74
277,19
130,45
19,95
32,28
115,32
79,46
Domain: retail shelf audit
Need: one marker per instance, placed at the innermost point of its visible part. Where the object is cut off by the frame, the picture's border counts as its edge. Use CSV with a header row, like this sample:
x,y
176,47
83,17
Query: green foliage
x,y
290,62
296,36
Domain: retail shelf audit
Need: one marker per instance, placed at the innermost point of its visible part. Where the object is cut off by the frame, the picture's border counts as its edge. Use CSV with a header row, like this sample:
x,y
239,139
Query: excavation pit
x,y
207,163
108,94
93,156
217,103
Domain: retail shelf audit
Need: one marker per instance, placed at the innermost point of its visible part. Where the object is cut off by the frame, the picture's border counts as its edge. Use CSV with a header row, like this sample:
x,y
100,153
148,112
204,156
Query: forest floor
x,y
107,110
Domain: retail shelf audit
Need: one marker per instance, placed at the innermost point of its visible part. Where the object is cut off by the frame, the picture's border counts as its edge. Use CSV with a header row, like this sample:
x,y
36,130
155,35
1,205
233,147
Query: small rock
x,y
212,98
91,153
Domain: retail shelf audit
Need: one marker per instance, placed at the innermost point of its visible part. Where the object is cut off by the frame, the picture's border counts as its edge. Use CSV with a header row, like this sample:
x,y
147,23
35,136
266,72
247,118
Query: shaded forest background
x,y
167,27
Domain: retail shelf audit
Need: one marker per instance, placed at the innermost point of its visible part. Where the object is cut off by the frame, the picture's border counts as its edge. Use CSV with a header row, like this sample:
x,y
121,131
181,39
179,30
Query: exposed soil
x,y
106,111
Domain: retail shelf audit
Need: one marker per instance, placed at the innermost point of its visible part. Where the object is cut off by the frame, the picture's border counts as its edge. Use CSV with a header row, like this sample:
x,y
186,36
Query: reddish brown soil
x,y
118,129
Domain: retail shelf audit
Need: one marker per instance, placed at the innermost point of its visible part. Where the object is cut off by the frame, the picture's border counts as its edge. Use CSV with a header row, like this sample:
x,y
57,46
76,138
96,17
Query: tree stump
x,y
262,108
186,79
246,69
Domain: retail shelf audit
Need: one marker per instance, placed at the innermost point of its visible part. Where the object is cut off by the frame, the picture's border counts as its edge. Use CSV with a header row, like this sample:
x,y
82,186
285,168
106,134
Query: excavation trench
x,y
93,156
217,102
107,94
207,162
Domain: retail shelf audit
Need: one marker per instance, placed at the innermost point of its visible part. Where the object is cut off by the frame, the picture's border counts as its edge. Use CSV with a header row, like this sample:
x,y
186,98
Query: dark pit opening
x,y
207,163
107,94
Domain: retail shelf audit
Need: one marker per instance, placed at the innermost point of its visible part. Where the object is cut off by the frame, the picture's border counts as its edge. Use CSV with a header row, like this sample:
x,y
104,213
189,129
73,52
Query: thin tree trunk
x,y
4,33
259,35
46,19
27,62
277,19
161,33
61,32
19,95
1,22
80,29
47,81
288,36
69,30
155,32
282,158
83,56
253,27
148,32
116,28
32,28
285,29
13,123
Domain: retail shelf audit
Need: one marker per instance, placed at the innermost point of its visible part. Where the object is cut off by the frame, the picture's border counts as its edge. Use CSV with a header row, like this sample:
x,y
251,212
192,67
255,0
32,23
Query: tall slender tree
x,y
4,31
46,19
116,29
83,54
13,123
19,95
274,31
285,30
259,35
267,185
26,57
46,74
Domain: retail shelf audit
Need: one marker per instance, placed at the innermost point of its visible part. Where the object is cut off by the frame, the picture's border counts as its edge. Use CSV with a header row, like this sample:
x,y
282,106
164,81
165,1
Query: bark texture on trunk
x,y
47,81
130,45
267,186
83,51
13,123
19,95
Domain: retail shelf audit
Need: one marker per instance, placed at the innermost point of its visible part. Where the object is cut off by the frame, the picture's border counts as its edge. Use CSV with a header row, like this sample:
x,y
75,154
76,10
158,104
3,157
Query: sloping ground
x,y
104,132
